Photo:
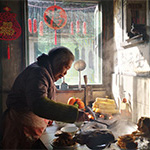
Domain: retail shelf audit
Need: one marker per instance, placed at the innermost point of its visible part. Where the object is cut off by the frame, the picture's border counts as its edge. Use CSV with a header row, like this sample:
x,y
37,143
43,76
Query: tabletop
x,y
49,135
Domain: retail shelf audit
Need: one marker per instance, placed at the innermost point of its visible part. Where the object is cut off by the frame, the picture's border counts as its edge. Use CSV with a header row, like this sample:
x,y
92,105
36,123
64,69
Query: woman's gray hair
x,y
60,57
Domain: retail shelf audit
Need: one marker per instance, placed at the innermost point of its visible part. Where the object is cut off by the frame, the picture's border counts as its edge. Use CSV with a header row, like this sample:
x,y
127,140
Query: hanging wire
x,y
77,24
55,29
34,23
84,23
71,25
54,2
29,21
40,24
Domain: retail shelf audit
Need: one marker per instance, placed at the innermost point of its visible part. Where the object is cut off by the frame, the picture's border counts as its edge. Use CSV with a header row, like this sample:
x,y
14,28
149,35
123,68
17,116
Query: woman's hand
x,y
82,116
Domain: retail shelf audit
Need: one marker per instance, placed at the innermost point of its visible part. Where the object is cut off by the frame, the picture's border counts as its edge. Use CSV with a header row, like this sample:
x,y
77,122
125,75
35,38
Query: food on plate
x,y
95,138
127,142
64,139
143,127
105,106
76,102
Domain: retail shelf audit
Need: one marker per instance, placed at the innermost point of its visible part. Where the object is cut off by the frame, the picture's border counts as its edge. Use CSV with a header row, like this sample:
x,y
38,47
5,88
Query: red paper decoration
x,y
77,26
8,52
71,25
55,37
30,25
84,27
9,27
41,28
55,17
34,25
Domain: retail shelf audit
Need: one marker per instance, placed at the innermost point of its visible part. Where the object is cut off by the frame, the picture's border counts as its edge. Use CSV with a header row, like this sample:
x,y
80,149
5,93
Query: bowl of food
x,y
70,129
64,140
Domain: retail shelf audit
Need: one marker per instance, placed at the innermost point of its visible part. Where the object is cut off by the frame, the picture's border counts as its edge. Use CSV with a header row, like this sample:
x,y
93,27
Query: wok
x,y
109,126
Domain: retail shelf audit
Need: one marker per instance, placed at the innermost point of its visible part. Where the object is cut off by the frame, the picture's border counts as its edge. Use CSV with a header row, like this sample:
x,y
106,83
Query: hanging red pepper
x,y
77,26
30,25
84,27
71,25
34,25
41,28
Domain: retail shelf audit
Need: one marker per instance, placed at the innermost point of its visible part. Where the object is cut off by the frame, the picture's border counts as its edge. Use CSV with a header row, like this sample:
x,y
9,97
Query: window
x,y
81,34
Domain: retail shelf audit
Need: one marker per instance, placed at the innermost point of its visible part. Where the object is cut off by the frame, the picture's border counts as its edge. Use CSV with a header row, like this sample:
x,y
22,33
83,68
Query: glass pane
x,y
79,34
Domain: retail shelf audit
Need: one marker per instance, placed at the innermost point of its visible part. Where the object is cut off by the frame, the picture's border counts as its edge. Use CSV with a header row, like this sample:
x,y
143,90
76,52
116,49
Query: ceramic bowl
x,y
70,129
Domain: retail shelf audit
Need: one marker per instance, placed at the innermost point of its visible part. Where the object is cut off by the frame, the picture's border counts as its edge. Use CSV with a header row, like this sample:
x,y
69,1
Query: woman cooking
x,y
30,104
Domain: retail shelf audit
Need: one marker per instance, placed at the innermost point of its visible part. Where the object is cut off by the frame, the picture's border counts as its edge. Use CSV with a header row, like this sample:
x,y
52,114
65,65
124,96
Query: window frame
x,y
99,39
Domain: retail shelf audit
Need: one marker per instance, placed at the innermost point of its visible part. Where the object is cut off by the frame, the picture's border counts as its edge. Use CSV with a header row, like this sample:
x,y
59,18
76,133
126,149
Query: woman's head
x,y
61,59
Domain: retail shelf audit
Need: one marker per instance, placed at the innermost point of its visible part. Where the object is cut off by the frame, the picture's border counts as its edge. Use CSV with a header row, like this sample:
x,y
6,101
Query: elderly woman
x,y
31,102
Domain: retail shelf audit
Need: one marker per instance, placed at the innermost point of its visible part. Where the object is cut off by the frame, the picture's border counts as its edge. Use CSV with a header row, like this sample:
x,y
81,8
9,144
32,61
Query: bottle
x,y
64,85
125,108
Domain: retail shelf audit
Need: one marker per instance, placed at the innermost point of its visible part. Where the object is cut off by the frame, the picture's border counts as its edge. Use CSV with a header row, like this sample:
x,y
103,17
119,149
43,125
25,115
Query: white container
x,y
70,129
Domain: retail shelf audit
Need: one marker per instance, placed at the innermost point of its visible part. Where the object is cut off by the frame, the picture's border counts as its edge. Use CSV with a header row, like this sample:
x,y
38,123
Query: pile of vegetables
x,y
76,102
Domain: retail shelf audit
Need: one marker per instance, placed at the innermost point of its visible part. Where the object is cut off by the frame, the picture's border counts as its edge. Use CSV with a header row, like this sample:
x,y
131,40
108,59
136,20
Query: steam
x,y
124,126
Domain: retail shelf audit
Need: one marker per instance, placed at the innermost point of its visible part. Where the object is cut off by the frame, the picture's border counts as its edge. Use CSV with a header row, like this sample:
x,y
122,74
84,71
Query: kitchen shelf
x,y
134,41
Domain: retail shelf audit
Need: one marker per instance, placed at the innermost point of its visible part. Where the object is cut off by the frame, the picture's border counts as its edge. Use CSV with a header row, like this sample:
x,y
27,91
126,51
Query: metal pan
x,y
109,126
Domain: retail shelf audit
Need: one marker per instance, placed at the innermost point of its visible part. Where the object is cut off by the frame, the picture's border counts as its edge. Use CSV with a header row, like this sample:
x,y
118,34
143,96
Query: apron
x,y
21,129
